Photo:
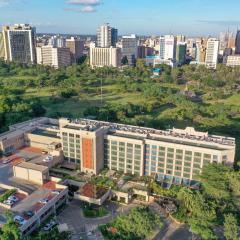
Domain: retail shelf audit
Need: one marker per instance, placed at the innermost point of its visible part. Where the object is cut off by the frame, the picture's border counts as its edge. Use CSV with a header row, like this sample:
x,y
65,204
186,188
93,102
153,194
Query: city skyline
x,y
66,16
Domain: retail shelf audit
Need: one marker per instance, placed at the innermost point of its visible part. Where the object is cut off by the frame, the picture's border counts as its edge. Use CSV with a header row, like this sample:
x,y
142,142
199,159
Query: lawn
x,y
233,100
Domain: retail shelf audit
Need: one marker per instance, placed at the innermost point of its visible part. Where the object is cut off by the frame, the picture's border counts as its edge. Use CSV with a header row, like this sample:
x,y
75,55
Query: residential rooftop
x,y
33,166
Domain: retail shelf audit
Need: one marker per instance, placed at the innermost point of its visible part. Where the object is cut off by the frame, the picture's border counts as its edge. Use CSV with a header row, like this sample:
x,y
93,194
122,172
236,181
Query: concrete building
x,y
31,172
191,48
237,43
181,53
144,51
57,41
2,52
181,38
226,53
100,57
91,145
76,47
168,47
233,61
53,56
212,53
224,38
157,60
19,43
107,36
129,47
201,47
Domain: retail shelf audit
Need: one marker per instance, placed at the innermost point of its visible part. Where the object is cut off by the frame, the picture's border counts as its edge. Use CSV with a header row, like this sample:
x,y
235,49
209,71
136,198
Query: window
x,y
170,150
188,153
207,156
178,151
114,142
197,154
138,146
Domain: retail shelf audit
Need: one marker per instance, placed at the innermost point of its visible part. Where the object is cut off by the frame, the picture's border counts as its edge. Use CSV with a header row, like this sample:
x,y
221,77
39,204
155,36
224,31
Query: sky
x,y
142,17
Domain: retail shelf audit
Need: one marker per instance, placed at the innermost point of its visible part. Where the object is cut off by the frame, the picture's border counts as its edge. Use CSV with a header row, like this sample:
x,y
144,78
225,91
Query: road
x,y
80,225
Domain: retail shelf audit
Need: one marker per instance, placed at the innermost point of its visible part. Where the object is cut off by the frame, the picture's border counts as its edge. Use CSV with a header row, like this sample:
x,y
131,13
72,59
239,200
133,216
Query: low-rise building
x,y
233,61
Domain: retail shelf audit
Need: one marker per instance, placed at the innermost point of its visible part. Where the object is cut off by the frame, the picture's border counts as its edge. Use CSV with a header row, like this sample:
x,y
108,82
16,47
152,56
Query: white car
x,y
8,202
56,191
50,226
20,220
44,201
13,198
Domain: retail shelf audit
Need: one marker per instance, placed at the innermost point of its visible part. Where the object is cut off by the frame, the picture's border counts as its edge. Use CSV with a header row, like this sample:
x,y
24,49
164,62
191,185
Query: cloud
x,y
221,22
84,2
86,9
88,6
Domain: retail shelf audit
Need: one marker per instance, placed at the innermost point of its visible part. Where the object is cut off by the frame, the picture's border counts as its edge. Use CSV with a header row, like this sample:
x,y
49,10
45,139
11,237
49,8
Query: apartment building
x,y
2,53
100,57
19,43
178,153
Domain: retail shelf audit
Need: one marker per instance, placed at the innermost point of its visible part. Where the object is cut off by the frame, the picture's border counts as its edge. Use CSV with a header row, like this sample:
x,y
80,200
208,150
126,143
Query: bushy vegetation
x,y
94,211
139,224
7,194
217,204
129,96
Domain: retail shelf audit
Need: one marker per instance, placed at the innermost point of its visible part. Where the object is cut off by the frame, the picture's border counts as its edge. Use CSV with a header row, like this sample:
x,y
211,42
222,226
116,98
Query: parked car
x,y
8,202
13,198
28,214
44,201
20,220
56,191
50,226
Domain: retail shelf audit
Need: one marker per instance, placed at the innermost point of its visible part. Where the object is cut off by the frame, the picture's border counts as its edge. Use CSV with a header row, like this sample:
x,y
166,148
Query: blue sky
x,y
190,17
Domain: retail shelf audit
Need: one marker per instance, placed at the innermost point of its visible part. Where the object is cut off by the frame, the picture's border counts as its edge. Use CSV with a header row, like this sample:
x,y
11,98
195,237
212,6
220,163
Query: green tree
x,y
231,228
9,230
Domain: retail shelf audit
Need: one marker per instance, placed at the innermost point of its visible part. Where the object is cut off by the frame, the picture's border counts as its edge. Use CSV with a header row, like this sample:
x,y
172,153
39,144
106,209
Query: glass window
x,y
171,150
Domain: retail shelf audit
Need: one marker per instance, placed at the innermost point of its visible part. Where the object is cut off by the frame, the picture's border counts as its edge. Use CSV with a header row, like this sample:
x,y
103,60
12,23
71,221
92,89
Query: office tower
x,y
224,38
107,36
201,46
19,43
168,45
57,41
129,47
144,51
53,56
212,53
233,61
237,43
191,48
181,52
76,47
100,57
226,53
2,52
181,38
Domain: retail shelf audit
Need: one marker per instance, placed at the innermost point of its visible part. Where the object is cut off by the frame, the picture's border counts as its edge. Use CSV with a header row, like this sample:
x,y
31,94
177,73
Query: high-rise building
x,y
144,51
237,43
226,53
201,47
57,41
19,43
212,53
100,57
191,48
76,47
168,46
181,52
224,38
181,38
53,56
107,36
129,47
2,52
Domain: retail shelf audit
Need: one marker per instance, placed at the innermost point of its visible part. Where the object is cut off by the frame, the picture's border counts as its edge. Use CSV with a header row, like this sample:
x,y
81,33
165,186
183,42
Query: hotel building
x,y
91,145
